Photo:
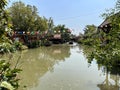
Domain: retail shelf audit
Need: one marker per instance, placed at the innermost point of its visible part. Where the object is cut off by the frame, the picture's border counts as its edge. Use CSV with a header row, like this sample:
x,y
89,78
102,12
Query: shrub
x,y
8,76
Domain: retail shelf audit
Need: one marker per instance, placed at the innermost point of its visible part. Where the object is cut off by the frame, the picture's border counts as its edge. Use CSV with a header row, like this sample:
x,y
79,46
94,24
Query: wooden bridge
x,y
29,37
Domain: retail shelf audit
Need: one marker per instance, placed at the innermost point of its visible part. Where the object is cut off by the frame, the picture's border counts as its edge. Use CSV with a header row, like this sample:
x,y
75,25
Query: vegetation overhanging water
x,y
63,67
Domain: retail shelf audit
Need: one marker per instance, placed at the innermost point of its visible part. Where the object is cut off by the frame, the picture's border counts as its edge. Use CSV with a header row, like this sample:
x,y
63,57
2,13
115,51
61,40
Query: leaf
x,y
7,85
16,70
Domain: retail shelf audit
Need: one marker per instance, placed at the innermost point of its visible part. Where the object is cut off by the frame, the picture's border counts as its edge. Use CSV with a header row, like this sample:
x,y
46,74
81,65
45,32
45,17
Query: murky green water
x,y
62,67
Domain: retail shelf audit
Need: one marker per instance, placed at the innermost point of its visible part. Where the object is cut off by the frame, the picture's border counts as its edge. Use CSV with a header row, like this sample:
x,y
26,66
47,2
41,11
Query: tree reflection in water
x,y
40,64
112,72
37,62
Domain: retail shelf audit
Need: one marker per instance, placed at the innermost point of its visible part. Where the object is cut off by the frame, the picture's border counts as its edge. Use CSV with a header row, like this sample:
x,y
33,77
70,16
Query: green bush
x,y
6,48
8,80
18,45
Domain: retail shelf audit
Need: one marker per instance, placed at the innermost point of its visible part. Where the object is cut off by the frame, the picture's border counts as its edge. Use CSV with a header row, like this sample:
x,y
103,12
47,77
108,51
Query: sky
x,y
75,14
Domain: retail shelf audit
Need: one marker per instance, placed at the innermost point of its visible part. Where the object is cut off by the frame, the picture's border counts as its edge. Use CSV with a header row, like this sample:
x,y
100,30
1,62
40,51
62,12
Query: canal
x,y
62,67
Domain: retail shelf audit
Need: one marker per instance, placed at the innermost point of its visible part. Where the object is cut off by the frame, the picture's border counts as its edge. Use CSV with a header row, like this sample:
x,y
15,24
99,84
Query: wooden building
x,y
105,26
109,24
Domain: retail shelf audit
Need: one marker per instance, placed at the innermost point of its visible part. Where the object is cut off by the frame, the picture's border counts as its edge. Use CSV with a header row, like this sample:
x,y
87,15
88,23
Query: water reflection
x,y
63,67
112,80
37,62
108,85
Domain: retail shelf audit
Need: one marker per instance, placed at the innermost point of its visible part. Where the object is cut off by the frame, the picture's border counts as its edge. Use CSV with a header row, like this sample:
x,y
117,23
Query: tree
x,y
4,25
3,4
90,30
117,6
107,53
8,79
89,36
5,29
50,23
65,32
26,18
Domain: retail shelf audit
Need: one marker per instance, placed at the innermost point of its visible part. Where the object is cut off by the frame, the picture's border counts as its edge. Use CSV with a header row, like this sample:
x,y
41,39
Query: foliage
x,y
65,32
6,44
89,36
8,78
2,4
117,7
34,44
26,18
50,24
18,45
6,48
47,43
4,17
107,47
60,29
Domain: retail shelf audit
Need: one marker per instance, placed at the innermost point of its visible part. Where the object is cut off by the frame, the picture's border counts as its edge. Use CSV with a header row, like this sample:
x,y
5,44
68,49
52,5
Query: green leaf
x,y
7,85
